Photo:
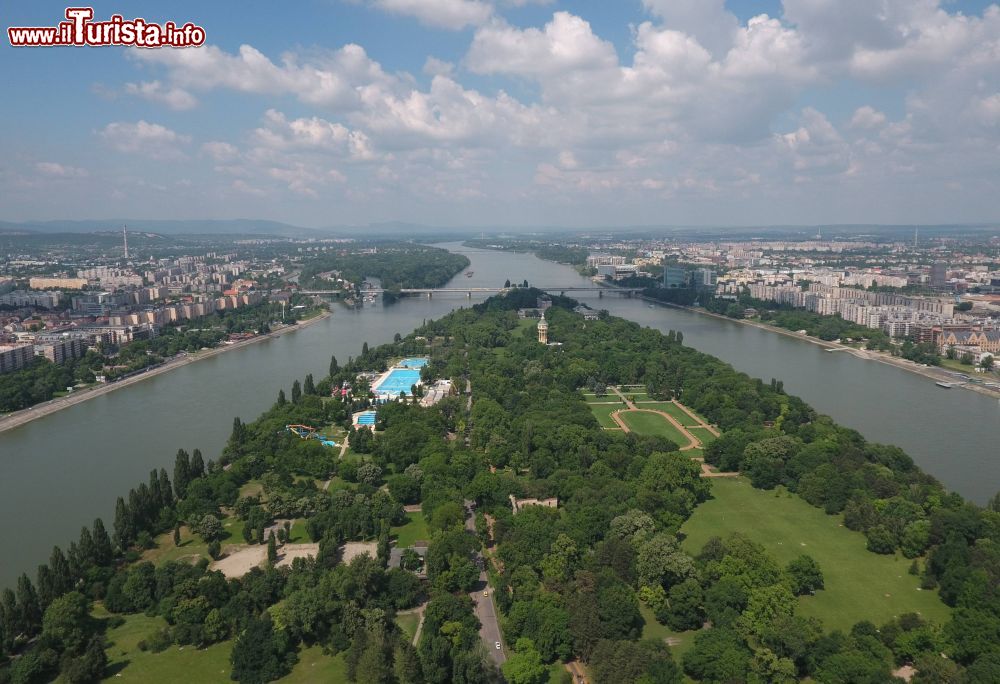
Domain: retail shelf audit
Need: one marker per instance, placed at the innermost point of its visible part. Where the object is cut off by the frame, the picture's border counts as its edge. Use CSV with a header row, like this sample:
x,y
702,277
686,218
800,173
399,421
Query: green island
x,y
777,546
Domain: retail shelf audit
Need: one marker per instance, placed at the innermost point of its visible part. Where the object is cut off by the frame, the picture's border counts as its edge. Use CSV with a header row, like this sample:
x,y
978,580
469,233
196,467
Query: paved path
x,y
419,611
483,606
701,423
693,442
578,673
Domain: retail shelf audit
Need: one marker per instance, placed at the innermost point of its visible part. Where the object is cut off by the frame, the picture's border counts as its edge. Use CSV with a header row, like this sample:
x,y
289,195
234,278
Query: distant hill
x,y
214,227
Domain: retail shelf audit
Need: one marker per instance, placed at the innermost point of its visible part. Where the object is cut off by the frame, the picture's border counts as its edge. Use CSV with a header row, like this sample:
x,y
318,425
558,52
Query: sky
x,y
593,113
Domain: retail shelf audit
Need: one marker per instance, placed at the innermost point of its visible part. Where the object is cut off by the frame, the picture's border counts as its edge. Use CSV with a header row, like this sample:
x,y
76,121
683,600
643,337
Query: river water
x,y
64,470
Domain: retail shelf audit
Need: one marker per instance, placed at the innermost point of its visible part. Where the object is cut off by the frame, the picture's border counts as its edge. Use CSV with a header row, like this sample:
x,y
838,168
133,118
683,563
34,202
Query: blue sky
x,y
515,112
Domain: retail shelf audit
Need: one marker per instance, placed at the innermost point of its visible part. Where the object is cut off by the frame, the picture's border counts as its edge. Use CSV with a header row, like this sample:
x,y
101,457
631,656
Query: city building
x,y
15,357
595,260
939,274
674,277
41,299
60,351
543,330
61,283
617,271
704,277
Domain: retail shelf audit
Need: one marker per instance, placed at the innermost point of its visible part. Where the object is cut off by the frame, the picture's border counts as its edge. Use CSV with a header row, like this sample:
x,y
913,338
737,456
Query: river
x,y
64,470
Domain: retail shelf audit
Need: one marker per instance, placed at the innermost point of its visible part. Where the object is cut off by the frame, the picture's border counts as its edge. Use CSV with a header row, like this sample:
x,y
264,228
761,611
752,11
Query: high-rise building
x,y
674,277
939,274
15,357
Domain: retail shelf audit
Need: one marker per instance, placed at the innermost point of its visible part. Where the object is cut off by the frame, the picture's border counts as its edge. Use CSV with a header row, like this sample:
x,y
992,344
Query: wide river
x,y
64,470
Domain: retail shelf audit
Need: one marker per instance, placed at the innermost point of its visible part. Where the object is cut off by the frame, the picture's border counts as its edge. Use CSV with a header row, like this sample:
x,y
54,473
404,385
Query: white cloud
x,y
695,110
329,80
566,45
149,139
312,134
448,14
867,117
56,170
220,151
707,21
175,98
436,67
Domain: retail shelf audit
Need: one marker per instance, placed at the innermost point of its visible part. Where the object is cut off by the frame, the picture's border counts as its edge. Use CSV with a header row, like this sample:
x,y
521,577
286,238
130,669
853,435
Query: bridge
x,y
469,291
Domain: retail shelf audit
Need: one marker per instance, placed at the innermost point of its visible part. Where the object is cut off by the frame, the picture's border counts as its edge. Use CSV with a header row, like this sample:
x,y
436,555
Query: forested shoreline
x,y
397,265
571,582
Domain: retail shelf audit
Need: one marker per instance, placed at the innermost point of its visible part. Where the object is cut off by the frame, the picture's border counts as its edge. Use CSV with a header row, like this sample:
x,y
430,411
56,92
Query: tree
x,y
281,398
334,366
90,666
308,387
272,548
258,655
210,528
524,666
685,602
103,550
805,575
182,473
177,534
296,392
197,466
369,473
67,622
29,608
987,363
881,540
718,655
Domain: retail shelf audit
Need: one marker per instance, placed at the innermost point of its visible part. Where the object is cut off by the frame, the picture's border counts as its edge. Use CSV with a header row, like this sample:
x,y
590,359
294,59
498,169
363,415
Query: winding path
x,y
693,442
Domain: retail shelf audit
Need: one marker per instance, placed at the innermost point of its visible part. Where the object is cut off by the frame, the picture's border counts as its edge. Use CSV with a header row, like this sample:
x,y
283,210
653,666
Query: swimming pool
x,y
367,418
398,380
413,363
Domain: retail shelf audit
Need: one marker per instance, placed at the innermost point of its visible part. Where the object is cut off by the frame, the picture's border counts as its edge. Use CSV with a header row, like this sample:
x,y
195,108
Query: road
x,y
485,609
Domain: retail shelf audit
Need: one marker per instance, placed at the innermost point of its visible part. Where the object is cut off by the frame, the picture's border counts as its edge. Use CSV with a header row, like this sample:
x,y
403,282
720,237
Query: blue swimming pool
x,y
367,418
413,363
398,380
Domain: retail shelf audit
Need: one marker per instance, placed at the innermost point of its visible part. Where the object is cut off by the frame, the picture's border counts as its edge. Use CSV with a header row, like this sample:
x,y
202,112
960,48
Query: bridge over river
x,y
469,291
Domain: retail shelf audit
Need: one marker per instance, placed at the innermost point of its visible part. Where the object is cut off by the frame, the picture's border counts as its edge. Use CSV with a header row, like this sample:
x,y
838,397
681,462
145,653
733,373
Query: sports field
x,y
860,585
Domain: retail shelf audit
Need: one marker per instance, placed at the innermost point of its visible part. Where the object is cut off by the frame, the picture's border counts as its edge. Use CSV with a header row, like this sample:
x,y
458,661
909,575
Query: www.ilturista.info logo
x,y
80,30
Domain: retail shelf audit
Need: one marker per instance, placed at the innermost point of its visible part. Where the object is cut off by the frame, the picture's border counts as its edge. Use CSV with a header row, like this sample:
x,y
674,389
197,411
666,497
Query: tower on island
x,y
543,330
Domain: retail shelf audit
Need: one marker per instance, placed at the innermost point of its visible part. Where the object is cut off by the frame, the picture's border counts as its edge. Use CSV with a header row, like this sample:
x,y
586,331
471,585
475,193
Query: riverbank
x,y
18,418
934,373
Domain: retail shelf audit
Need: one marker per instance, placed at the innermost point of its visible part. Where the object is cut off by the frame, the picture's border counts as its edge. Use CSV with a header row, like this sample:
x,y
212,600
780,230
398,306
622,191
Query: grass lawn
x,y
297,533
557,673
703,434
680,642
677,412
956,365
316,666
192,546
860,585
175,664
408,623
252,488
603,413
414,529
654,425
